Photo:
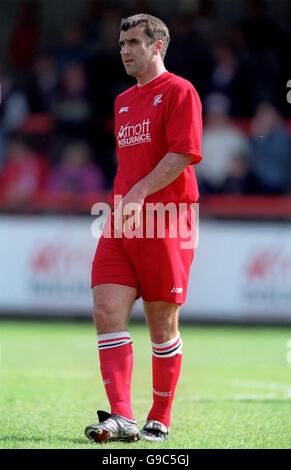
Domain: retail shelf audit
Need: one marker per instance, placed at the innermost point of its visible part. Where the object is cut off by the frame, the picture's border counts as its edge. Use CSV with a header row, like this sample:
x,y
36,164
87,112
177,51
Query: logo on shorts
x,y
157,100
177,290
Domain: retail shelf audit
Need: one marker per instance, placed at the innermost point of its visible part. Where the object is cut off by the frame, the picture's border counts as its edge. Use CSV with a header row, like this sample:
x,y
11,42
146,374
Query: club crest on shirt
x,y
157,100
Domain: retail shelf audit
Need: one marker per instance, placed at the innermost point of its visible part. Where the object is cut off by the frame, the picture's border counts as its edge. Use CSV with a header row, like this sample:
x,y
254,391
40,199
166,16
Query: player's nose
x,y
125,50
125,54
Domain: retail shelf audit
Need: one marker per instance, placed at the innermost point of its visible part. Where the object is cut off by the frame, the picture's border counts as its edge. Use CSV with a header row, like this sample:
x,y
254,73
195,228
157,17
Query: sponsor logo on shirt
x,y
157,100
133,134
123,109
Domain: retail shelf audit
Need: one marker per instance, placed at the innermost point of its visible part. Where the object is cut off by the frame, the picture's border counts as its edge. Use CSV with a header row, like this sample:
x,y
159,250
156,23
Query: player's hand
x,y
129,209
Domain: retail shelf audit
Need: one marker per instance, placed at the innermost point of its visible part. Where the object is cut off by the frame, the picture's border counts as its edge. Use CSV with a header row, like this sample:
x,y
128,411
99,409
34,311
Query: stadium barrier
x,y
242,270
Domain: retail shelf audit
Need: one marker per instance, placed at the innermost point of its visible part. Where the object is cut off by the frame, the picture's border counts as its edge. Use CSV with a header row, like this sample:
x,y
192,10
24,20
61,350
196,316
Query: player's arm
x,y
166,171
184,132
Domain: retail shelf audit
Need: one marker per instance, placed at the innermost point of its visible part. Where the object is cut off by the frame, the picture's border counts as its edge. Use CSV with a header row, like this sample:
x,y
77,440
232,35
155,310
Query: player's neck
x,y
150,75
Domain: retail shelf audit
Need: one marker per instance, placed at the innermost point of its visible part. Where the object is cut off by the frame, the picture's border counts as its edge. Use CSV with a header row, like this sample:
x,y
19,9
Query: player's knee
x,y
163,327
162,337
102,315
163,331
107,318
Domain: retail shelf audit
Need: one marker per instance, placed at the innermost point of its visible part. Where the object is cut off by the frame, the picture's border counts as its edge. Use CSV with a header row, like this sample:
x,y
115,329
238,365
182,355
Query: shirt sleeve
x,y
184,122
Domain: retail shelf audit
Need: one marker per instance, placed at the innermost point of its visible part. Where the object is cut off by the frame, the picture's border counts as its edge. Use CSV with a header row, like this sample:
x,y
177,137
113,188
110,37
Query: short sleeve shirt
x,y
162,116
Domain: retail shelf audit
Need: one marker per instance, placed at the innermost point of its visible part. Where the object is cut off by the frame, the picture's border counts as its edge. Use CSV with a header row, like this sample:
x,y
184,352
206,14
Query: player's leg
x,y
162,319
115,288
112,307
163,271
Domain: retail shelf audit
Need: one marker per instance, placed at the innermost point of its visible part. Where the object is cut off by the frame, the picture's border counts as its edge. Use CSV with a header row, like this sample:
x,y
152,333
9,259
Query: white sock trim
x,y
169,348
118,334
168,343
113,340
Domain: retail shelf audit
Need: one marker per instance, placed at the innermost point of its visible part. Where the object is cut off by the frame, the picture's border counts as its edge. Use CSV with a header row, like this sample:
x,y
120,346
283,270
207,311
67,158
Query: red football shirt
x,y
162,116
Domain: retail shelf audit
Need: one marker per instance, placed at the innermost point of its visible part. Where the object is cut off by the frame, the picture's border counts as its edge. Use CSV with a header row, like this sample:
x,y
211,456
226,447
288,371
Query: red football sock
x,y
166,364
116,363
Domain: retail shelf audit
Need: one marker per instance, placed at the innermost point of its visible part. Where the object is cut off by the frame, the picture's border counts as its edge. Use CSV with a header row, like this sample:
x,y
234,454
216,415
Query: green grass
x,y
234,391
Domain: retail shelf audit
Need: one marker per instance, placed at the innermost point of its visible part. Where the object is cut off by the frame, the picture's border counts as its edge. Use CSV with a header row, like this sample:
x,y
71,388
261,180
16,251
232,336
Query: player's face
x,y
136,52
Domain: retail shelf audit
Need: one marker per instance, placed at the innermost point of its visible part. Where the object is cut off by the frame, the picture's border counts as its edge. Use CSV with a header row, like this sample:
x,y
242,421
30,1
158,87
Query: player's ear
x,y
159,45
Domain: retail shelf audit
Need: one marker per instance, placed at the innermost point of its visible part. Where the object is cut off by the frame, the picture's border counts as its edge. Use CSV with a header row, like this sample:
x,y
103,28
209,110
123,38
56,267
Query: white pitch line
x,y
64,374
260,384
238,397
257,384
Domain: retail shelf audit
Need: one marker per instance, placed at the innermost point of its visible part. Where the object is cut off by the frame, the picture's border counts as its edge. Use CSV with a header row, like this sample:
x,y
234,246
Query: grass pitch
x,y
234,391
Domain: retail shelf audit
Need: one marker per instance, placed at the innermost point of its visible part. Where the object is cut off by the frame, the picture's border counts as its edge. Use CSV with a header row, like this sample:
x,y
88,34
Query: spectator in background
x,y
240,177
271,153
24,171
221,143
205,24
76,173
71,107
110,14
267,49
24,37
198,65
13,109
42,83
230,77
182,40
74,48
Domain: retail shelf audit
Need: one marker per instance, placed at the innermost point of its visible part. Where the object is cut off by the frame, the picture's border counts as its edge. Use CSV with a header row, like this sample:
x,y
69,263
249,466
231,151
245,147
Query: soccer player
x,y
158,130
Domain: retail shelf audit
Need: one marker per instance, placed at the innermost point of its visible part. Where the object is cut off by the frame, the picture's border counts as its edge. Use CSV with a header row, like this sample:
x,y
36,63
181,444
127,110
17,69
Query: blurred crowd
x,y
56,114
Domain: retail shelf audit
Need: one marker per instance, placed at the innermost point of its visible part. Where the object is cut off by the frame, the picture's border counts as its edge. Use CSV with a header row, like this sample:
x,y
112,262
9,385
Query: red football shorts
x,y
157,267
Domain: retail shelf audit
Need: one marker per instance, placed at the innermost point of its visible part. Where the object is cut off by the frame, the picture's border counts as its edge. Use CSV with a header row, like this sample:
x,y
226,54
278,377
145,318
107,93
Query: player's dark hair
x,y
153,27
